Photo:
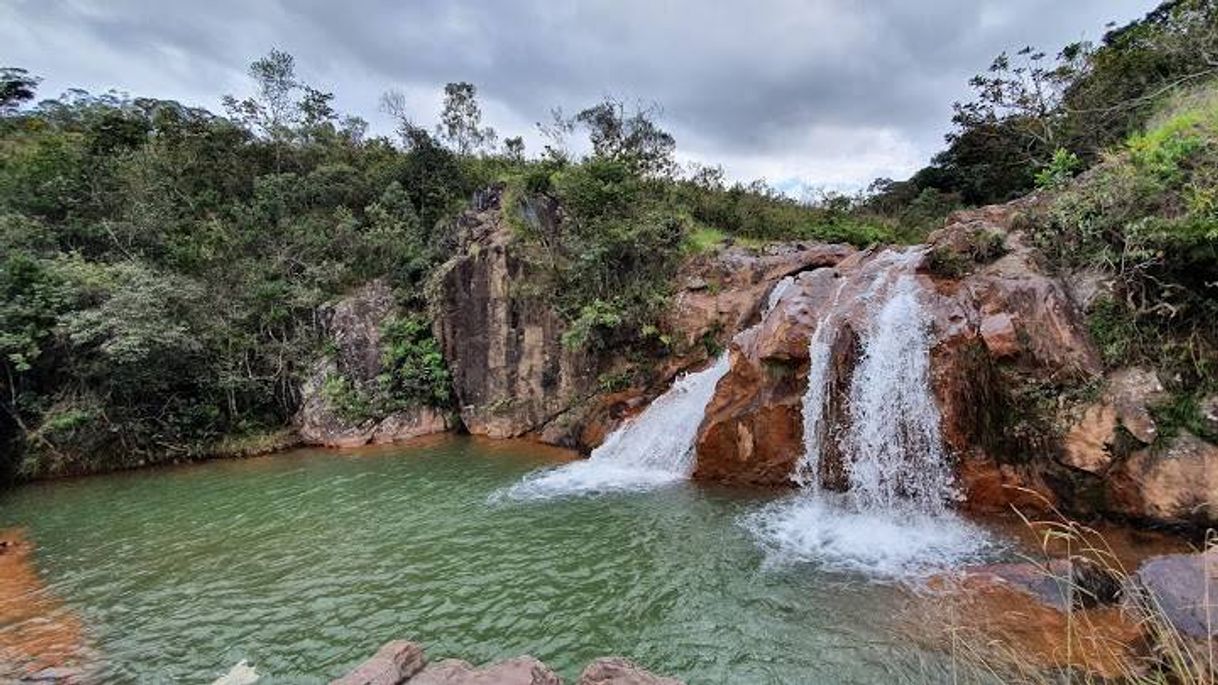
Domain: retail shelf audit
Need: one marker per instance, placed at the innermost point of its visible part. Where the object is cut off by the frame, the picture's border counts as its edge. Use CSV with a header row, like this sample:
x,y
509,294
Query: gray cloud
x,y
818,92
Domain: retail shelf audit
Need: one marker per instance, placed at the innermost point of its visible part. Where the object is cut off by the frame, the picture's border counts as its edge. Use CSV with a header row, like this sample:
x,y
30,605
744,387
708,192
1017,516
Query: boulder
x,y
618,671
1183,589
524,670
1097,437
1180,590
353,325
394,663
1175,484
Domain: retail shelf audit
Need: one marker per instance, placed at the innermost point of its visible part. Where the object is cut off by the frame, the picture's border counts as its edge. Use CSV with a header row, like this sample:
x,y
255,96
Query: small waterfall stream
x,y
894,517
652,449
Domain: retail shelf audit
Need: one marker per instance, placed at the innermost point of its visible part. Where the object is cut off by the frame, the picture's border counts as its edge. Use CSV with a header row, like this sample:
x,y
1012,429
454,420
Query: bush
x,y
1146,216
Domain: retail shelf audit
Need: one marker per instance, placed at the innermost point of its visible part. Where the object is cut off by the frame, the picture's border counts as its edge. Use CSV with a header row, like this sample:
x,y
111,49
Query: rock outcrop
x,y
401,662
511,372
353,326
1011,366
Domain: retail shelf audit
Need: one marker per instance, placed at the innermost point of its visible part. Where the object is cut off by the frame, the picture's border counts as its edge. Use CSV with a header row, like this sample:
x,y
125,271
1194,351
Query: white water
x,y
894,520
653,449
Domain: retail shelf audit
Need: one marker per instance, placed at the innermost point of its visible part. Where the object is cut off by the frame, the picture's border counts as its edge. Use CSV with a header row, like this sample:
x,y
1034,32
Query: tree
x,y
513,149
16,88
272,110
413,136
633,138
461,120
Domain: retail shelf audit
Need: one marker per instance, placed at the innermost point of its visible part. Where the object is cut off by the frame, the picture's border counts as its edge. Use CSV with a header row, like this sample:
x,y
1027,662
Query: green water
x,y
304,563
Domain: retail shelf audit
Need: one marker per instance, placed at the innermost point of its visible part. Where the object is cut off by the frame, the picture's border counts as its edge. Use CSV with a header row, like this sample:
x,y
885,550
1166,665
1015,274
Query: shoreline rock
x,y
401,662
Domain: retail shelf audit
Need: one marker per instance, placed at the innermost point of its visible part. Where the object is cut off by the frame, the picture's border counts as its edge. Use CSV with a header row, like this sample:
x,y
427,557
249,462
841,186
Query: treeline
x,y
1032,107
161,265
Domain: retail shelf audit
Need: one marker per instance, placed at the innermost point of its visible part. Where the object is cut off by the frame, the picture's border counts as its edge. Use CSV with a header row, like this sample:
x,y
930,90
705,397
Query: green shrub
x,y
1058,172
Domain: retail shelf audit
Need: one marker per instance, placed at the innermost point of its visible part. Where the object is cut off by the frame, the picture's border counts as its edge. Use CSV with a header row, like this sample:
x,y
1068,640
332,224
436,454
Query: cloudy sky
x,y
824,93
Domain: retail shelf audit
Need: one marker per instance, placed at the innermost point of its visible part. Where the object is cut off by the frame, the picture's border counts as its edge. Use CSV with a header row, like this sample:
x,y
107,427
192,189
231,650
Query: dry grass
x,y
1003,635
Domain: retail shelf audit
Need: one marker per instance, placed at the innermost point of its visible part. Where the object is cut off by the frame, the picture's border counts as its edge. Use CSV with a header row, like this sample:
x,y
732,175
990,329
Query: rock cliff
x,y
513,375
353,326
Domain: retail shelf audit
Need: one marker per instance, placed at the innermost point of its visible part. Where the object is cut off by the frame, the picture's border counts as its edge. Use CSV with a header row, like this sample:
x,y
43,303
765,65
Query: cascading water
x,y
655,448
894,517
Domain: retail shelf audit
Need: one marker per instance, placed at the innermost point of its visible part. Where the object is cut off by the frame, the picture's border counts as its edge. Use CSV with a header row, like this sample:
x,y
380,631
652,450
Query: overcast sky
x,y
825,93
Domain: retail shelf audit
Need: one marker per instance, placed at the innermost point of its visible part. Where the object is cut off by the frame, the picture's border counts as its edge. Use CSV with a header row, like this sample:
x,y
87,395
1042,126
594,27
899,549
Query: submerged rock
x,y
394,663
618,671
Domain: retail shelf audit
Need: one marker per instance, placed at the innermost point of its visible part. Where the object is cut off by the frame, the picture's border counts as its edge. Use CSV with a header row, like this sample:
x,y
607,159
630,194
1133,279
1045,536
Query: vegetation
x,y
1146,217
161,265
1032,111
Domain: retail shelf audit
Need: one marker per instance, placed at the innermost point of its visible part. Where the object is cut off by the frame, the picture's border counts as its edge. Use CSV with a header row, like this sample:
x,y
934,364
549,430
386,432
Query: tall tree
x,y
632,137
461,120
16,88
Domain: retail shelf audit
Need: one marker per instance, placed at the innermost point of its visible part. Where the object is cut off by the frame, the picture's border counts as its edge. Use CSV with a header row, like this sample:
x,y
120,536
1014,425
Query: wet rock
x,y
1060,583
523,670
394,663
353,325
1176,484
1184,588
619,671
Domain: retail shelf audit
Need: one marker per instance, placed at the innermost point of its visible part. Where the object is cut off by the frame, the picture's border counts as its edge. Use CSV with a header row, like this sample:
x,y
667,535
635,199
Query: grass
x,y
1162,656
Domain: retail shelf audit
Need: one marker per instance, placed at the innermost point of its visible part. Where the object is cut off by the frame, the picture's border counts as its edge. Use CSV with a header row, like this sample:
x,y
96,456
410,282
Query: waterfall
x,y
652,449
894,518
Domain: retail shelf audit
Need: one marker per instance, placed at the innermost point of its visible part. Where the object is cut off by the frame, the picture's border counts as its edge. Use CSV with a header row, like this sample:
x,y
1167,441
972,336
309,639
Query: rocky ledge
x,y
1161,616
400,662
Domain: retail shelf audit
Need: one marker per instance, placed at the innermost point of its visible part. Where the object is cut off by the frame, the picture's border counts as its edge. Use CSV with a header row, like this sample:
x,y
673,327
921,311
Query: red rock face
x,y
1000,315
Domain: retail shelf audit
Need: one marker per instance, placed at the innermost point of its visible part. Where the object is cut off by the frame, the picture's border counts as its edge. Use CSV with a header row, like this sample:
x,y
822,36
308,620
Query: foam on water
x,y
834,533
653,449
